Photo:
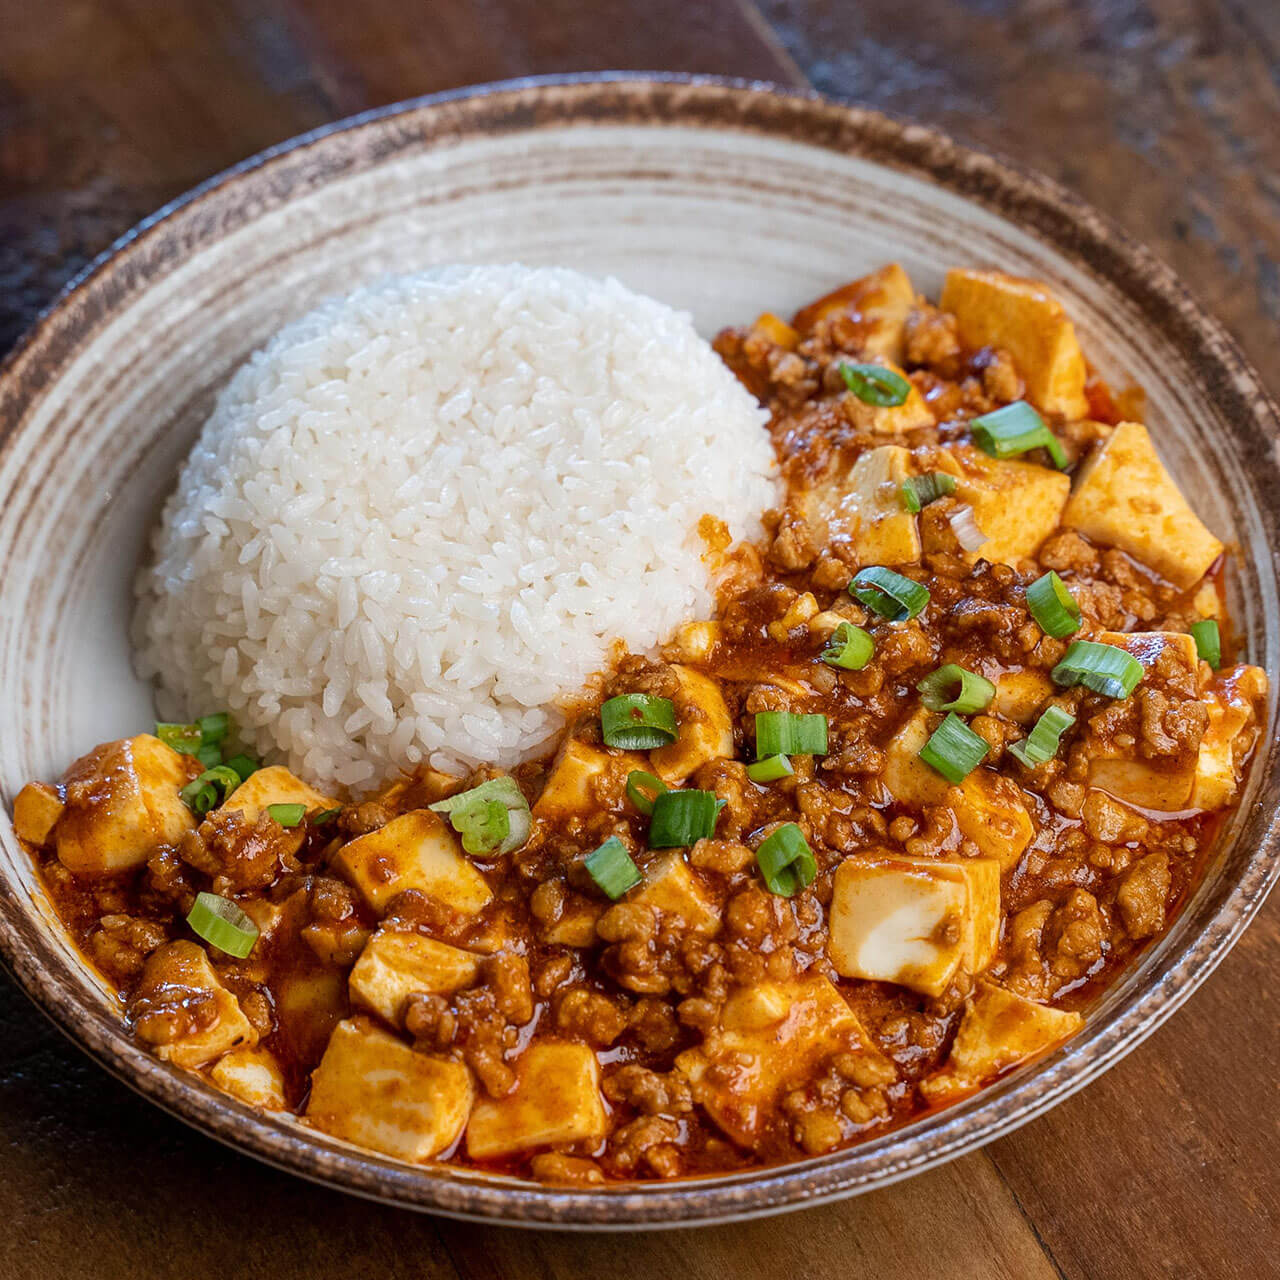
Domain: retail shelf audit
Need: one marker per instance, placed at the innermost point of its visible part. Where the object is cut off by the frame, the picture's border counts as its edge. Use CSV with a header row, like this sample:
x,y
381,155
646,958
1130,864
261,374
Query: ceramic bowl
x,y
717,197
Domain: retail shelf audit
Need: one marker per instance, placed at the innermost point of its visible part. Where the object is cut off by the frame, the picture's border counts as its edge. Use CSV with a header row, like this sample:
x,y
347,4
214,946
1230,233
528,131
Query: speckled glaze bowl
x,y
722,198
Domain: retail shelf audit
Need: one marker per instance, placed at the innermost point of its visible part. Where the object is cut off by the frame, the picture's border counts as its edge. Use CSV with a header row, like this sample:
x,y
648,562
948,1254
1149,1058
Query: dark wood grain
x,y
1162,112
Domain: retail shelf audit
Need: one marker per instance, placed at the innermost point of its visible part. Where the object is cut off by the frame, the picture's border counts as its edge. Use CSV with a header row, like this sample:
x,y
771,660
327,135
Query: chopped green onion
x,y
214,728
1042,742
1104,668
612,868
287,815
849,648
952,688
222,924
243,765
786,861
474,816
1014,429
643,789
919,491
181,737
954,750
638,722
1208,642
770,769
889,594
324,817
210,789
209,754
786,733
1053,607
876,385
683,818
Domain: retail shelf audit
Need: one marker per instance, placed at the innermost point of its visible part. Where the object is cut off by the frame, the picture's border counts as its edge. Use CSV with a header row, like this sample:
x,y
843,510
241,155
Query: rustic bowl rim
x,y
273,177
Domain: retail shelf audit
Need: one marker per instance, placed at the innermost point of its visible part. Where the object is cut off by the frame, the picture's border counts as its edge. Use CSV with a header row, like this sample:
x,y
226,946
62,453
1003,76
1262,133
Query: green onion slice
x,y
786,733
214,728
1016,428
643,789
210,789
611,867
849,648
874,384
1053,607
222,924
182,737
474,816
638,722
770,769
1041,744
1208,642
954,750
683,818
889,594
1104,668
919,491
952,688
209,754
786,861
287,815
324,817
243,766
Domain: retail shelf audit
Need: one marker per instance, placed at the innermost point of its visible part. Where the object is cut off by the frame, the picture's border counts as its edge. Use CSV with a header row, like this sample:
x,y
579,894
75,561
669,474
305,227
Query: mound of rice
x,y
422,513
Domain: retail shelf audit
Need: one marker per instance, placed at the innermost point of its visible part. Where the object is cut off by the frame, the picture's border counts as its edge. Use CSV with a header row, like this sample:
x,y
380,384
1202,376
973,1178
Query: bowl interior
x,y
724,222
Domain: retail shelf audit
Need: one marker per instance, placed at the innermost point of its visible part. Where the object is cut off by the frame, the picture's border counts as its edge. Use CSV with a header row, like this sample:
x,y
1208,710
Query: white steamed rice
x,y
422,513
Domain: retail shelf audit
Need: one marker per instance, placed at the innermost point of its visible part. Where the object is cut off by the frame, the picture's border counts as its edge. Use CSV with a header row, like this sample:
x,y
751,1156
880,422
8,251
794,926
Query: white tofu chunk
x,y
35,810
1234,701
585,779
576,925
1016,504
1125,498
878,303
669,885
122,804
396,964
773,1036
253,1076
275,785
415,851
993,309
308,1007
705,727
914,921
694,641
988,807
373,1090
864,503
1021,695
556,1101
893,419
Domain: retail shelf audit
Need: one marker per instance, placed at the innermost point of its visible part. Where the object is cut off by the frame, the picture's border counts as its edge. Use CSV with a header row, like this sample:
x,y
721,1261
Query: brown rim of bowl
x,y
273,177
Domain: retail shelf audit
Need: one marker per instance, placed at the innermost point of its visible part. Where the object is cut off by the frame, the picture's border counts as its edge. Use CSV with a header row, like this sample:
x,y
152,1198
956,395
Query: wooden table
x,y
1162,112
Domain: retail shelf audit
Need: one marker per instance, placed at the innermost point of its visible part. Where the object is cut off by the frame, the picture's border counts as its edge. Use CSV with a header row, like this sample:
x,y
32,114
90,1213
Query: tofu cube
x,y
309,1004
695,641
1016,504
669,885
576,925
415,851
914,921
275,785
889,420
1020,695
993,309
35,810
395,965
1125,498
122,804
1233,701
878,303
706,728
556,1101
988,807
253,1076
373,1090
585,780
864,503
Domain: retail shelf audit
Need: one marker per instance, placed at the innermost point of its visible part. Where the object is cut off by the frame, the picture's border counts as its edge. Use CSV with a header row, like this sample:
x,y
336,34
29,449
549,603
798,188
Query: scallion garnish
x,y
849,648
243,766
954,750
201,738
643,789
475,816
1016,428
210,789
889,594
324,817
874,384
222,924
612,868
1208,641
919,491
638,722
952,688
770,769
1104,668
1053,607
287,815
1042,742
786,861
185,738
209,754
787,733
215,727
683,818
